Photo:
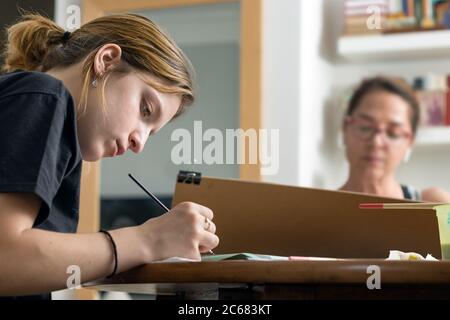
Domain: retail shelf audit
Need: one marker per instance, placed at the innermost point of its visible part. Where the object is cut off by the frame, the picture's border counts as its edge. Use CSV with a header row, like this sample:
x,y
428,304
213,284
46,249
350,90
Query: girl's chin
x,y
373,172
91,159
92,155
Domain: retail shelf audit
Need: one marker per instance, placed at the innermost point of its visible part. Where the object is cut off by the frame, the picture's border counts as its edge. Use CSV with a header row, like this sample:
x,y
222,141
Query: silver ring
x,y
207,224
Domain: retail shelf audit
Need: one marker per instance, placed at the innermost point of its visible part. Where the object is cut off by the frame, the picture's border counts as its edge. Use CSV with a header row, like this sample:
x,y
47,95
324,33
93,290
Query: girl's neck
x,y
386,186
71,77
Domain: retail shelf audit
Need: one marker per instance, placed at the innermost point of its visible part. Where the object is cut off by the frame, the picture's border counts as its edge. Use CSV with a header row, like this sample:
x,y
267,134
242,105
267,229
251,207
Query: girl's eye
x,y
394,135
145,109
364,128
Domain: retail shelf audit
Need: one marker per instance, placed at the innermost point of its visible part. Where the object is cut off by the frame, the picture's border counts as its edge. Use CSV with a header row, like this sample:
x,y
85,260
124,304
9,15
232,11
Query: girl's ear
x,y
107,58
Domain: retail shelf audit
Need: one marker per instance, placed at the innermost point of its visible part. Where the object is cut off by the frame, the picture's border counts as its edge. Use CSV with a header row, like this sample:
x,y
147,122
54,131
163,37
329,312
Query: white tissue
x,y
400,255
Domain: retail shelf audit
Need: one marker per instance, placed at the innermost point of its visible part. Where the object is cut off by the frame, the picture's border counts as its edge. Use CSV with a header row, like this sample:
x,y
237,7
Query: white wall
x,y
315,73
297,77
281,83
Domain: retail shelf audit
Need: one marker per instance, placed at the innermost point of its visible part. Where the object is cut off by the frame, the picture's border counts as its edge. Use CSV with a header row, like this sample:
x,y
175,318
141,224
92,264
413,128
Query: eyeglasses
x,y
365,130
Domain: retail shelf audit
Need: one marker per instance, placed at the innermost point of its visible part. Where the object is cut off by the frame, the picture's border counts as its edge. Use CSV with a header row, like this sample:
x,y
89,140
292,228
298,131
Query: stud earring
x,y
95,82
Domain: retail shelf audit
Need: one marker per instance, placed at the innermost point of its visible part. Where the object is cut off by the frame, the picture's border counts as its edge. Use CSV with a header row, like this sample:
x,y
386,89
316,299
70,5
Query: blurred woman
x,y
379,131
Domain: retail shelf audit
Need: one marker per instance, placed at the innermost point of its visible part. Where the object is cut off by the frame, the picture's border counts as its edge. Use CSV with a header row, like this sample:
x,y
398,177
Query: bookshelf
x,y
396,46
433,136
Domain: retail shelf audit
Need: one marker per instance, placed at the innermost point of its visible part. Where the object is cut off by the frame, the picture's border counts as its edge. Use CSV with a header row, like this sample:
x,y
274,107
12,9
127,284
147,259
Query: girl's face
x,y
378,134
134,110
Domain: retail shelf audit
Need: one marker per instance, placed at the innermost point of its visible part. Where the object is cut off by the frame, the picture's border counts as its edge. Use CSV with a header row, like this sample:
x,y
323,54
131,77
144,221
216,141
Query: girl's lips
x,y
372,159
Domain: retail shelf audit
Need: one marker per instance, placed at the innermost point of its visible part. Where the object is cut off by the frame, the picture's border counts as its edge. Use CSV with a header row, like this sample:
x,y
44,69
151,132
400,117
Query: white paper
x,y
400,255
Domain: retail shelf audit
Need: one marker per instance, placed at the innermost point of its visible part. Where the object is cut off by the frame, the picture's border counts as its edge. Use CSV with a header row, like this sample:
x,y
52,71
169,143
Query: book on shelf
x,y
433,96
433,106
359,16
396,15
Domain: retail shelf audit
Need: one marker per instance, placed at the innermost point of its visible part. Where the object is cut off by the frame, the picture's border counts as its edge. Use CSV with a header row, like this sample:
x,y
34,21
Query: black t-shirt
x,y
39,150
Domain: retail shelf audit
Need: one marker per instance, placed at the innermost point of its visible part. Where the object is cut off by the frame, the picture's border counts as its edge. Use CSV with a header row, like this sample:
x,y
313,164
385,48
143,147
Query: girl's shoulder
x,y
30,99
29,82
435,194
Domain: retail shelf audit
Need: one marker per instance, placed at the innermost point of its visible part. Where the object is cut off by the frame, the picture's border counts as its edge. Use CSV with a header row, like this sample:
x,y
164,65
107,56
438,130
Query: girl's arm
x,y
435,194
34,261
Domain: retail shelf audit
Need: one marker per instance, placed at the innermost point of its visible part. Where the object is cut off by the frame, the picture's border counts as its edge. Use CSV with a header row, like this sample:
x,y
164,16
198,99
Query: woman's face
x,y
134,110
378,134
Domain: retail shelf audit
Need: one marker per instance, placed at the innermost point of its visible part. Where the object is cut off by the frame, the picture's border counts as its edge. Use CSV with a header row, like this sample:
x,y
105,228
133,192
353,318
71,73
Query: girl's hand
x,y
185,231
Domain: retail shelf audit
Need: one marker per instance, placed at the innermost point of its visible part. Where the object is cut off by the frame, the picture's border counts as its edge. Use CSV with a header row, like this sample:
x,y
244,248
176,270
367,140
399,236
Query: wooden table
x,y
335,279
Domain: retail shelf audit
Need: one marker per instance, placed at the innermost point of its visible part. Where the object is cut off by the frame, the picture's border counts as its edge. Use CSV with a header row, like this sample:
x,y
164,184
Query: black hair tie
x,y
66,36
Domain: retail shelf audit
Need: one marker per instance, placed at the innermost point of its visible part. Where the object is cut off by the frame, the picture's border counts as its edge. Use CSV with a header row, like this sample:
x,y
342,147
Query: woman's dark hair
x,y
395,86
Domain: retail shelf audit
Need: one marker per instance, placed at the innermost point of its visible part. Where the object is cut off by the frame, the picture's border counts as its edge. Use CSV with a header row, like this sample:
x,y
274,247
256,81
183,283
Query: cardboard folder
x,y
284,220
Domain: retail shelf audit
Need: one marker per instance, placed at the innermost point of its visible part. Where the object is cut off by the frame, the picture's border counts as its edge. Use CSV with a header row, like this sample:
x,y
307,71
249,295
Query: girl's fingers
x,y
207,224
209,242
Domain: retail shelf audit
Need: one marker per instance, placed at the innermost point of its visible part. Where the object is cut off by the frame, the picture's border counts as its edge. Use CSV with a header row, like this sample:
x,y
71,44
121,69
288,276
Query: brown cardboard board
x,y
283,220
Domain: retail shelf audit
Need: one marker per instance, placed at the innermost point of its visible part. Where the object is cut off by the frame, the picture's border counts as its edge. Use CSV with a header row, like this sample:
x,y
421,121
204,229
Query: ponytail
x,y
36,43
30,41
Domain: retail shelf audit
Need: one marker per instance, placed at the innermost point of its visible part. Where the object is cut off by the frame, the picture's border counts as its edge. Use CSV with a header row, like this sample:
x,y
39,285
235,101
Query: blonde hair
x,y
36,43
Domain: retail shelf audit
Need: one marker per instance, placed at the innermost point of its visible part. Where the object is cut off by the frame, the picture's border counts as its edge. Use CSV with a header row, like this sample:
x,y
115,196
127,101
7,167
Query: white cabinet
x,y
397,46
433,136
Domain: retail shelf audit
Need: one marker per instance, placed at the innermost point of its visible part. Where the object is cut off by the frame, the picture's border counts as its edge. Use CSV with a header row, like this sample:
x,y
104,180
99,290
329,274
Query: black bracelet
x,y
115,252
